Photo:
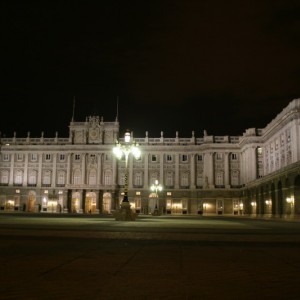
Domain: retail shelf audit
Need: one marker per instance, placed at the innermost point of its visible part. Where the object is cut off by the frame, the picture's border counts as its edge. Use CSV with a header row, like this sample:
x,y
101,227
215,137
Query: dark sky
x,y
185,66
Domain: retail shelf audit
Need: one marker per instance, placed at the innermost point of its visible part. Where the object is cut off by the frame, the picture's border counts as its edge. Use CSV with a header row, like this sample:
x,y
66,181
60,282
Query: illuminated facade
x,y
256,174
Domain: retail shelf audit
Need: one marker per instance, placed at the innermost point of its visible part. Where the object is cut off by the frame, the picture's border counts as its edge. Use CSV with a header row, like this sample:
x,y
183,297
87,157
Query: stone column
x,y
69,168
99,169
161,169
176,171
11,174
54,170
208,170
130,171
25,181
226,170
193,172
146,171
83,168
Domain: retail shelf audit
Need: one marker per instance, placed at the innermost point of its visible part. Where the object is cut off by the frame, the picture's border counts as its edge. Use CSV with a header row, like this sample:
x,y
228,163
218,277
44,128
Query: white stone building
x,y
255,174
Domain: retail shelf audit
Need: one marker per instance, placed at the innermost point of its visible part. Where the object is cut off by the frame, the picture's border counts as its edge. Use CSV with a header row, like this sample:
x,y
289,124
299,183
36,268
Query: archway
x,y
106,204
31,201
280,199
90,203
152,202
297,195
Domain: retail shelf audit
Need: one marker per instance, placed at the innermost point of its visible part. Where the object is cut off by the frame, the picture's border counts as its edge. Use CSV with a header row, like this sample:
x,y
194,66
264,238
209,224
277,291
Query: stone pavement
x,y
151,258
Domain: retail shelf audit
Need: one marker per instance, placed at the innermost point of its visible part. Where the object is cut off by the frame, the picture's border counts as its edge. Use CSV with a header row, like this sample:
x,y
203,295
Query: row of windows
x,y
154,158
138,179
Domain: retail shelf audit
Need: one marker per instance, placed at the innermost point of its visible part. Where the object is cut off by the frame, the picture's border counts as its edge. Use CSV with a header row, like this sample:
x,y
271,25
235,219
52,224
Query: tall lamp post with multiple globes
x,y
129,147
157,188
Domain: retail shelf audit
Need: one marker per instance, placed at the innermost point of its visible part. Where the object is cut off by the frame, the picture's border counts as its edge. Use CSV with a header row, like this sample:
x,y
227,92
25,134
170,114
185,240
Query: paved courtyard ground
x,y
164,257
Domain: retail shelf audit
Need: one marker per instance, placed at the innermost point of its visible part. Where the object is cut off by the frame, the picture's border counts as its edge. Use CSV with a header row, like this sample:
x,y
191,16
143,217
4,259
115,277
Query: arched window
x,y
46,180
184,179
32,177
61,175
219,178
18,177
107,177
169,179
4,177
122,178
235,177
138,179
77,177
92,177
153,177
199,179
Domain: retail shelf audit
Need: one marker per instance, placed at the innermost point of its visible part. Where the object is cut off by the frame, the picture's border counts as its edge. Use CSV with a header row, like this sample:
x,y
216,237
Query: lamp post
x,y
156,187
129,147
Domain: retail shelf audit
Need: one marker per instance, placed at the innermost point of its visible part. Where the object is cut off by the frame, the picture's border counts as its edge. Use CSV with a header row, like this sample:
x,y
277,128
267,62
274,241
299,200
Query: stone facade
x,y
255,174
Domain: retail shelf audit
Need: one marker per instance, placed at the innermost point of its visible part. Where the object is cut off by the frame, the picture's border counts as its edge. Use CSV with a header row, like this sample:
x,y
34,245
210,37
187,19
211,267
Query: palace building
x,y
256,174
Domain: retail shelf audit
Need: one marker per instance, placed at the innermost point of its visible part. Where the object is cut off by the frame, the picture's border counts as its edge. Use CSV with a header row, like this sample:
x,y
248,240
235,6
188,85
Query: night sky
x,y
220,66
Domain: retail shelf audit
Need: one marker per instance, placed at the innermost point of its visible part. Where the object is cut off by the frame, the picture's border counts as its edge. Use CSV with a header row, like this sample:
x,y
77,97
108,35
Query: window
x,y
184,179
199,157
5,157
168,157
154,176
235,204
4,177
233,156
77,177
259,151
47,157
77,157
138,179
184,157
153,158
199,179
34,157
18,177
219,178
107,178
32,177
19,157
122,179
219,156
62,157
61,178
219,204
92,177
169,179
107,157
235,178
46,180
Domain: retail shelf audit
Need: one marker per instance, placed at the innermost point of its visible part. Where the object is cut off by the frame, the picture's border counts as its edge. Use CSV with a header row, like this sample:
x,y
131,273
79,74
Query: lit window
x,y
259,150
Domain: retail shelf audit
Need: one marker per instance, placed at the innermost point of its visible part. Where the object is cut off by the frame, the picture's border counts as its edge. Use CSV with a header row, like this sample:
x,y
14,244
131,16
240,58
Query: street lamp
x,y
119,151
156,187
